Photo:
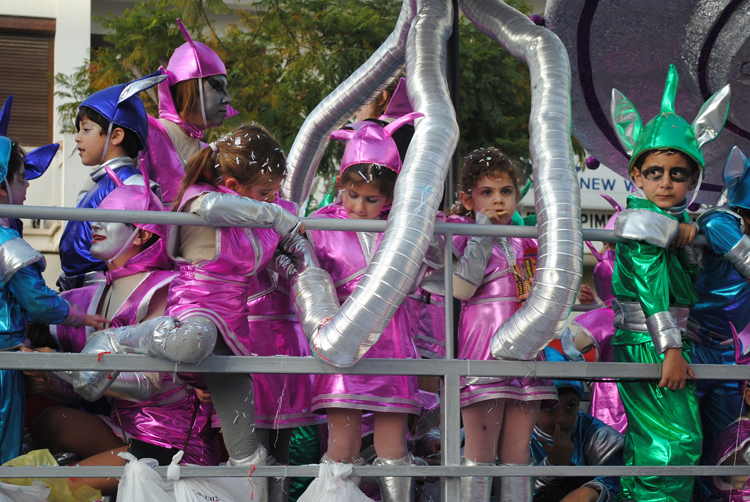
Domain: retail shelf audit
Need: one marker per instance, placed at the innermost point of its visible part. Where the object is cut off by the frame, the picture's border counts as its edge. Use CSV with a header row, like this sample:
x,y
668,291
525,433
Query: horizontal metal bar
x,y
189,219
376,471
305,365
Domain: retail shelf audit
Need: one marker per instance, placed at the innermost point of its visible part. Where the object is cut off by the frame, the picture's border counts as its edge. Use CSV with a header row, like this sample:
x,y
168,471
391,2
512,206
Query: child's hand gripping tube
x,y
226,208
316,303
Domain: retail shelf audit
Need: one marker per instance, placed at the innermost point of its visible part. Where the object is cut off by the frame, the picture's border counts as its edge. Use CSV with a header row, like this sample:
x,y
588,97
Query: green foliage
x,y
285,56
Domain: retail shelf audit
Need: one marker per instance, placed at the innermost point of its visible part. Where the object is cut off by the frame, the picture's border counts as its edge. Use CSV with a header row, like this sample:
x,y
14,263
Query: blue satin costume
x,y
724,296
24,296
76,259
596,443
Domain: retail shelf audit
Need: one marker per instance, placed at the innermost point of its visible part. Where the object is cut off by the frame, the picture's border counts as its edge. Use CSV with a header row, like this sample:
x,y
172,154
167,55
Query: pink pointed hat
x,y
371,143
190,60
604,270
135,198
399,104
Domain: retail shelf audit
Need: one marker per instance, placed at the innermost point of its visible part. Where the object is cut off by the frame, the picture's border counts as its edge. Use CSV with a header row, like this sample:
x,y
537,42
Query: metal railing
x,y
451,370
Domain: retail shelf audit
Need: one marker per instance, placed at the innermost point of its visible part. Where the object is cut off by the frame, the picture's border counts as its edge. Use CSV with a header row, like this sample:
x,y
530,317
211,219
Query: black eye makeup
x,y
677,174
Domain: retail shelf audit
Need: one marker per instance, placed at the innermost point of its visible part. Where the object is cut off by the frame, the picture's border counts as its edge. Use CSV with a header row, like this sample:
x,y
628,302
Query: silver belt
x,y
630,316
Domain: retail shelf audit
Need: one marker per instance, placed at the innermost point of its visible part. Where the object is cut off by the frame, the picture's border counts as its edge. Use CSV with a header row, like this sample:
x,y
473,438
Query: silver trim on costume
x,y
739,256
664,332
602,445
665,328
226,208
16,254
644,225
473,263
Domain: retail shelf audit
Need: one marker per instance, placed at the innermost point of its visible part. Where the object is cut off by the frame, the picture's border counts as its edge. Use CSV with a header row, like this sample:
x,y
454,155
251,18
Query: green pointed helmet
x,y
668,130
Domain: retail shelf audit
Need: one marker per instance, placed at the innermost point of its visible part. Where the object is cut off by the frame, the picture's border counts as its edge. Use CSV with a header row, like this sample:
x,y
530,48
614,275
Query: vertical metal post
x,y
450,392
453,76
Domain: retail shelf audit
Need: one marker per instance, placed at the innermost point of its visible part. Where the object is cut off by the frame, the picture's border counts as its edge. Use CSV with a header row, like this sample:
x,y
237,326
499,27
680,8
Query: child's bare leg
x,y
344,434
515,437
390,434
108,486
482,423
513,449
69,430
390,445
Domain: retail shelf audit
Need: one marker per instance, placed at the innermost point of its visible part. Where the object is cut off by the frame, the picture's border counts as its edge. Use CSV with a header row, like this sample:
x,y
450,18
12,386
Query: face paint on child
x,y
665,178
215,99
108,239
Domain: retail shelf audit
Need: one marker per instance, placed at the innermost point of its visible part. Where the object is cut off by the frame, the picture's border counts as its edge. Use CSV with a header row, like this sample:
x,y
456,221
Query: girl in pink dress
x,y
369,169
207,302
492,277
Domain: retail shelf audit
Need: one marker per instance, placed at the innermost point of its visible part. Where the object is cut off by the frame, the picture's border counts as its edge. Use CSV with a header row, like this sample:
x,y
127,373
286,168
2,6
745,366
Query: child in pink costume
x,y
493,277
216,266
153,408
369,169
193,98
597,328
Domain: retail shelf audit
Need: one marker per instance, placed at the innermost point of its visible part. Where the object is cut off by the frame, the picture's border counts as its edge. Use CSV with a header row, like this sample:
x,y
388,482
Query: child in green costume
x,y
653,284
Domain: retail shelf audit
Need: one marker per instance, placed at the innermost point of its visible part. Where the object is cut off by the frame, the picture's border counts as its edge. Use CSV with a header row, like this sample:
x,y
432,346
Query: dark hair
x,y
130,142
480,163
666,151
17,158
186,95
380,108
383,178
248,154
742,211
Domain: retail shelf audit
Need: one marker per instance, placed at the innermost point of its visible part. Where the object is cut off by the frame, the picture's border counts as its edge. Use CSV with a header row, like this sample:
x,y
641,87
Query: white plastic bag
x,y
213,489
37,492
140,483
334,485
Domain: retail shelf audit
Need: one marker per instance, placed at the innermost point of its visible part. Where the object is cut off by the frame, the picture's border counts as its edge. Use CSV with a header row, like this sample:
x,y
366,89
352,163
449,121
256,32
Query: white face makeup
x,y
215,99
108,240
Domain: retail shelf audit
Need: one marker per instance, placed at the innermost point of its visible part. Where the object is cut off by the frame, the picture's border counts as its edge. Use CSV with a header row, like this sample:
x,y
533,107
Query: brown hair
x,y
186,96
380,108
480,163
130,142
16,160
382,177
249,154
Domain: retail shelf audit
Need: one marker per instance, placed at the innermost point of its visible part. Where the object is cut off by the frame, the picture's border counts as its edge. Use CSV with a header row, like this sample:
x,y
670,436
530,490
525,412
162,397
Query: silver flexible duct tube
x,y
349,97
366,313
556,193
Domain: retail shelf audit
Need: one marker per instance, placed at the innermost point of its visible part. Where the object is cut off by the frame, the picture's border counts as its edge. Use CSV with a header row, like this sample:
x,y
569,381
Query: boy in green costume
x,y
653,284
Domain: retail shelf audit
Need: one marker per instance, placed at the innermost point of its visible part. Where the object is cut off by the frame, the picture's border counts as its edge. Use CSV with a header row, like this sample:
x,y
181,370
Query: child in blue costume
x,y
112,128
566,436
653,286
24,297
723,297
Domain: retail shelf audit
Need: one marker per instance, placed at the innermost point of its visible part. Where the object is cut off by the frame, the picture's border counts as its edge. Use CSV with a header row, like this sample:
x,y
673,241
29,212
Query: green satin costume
x,y
663,426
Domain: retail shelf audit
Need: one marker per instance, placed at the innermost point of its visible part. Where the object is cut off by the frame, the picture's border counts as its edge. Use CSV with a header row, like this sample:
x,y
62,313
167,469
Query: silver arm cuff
x,y
16,254
301,251
225,208
664,332
644,225
435,256
543,482
132,386
739,256
75,317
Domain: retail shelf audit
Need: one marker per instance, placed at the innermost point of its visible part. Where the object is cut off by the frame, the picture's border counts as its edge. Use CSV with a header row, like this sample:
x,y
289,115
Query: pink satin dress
x,y
606,404
493,303
218,289
346,255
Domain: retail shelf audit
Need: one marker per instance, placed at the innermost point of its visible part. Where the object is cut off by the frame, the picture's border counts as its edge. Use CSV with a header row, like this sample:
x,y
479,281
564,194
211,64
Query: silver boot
x,y
477,488
278,488
392,488
188,341
260,485
516,489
